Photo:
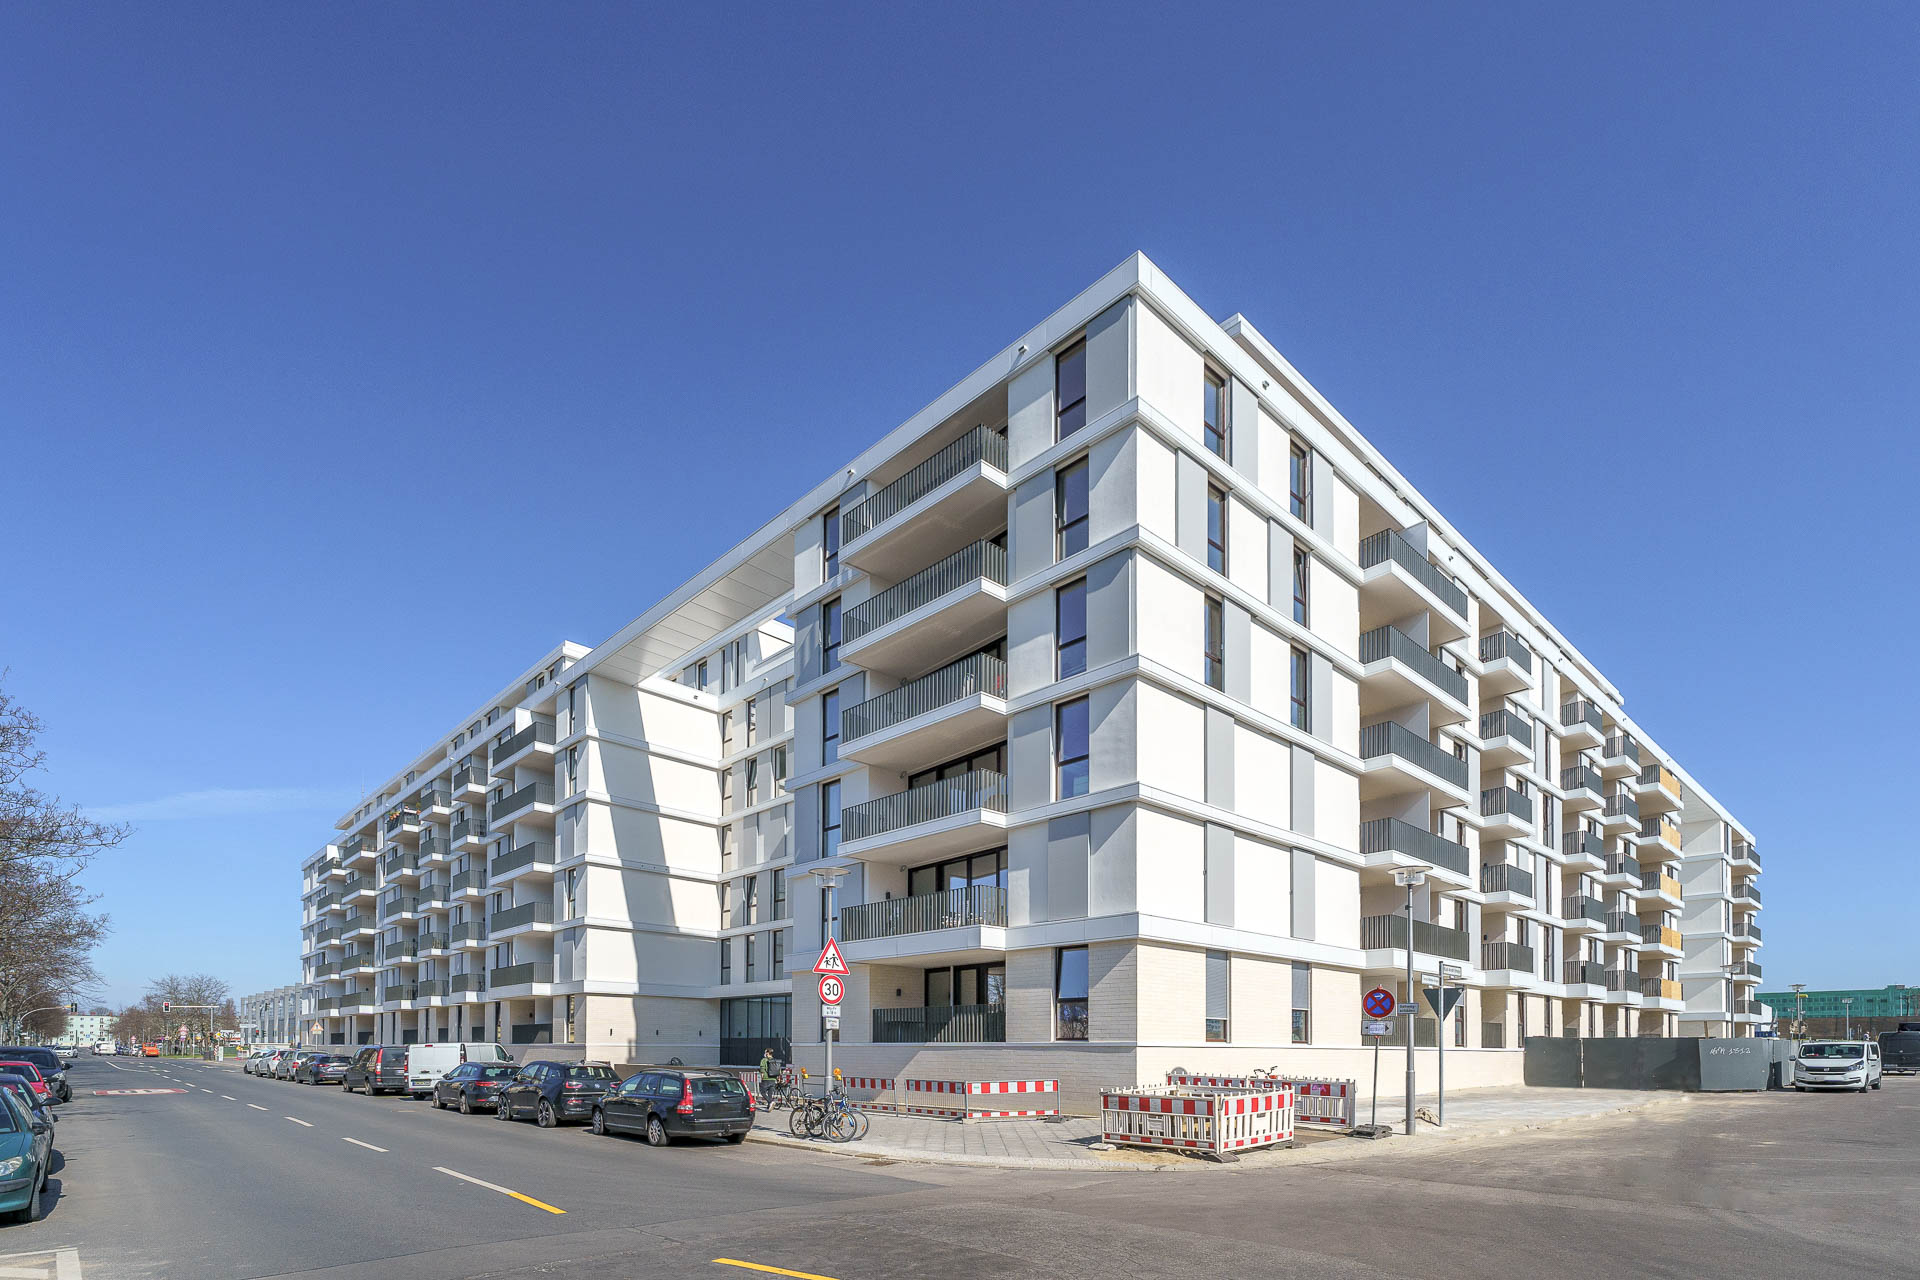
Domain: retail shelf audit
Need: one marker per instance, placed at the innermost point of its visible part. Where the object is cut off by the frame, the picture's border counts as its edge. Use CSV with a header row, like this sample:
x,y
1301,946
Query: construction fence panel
x,y
1209,1121
1317,1101
981,1099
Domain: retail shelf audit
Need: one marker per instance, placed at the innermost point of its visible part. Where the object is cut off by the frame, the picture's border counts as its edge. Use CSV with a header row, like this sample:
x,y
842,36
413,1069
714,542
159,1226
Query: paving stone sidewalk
x,y
1068,1143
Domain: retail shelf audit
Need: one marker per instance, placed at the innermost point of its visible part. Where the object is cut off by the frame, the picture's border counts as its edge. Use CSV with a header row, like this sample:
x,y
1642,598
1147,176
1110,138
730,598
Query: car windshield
x,y
714,1087
1831,1051
591,1073
25,1070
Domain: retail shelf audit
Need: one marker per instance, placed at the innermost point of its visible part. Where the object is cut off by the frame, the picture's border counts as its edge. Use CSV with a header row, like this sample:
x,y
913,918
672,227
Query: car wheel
x,y
437,1104
32,1211
656,1132
736,1137
502,1109
599,1123
1876,1084
544,1116
466,1104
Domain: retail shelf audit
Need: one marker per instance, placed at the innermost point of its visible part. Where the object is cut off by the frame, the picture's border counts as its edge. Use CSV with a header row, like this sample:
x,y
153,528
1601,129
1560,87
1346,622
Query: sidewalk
x,y
1068,1144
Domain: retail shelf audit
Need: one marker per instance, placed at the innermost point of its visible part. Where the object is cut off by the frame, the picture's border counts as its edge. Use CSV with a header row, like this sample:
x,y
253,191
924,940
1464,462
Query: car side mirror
x,y
42,1126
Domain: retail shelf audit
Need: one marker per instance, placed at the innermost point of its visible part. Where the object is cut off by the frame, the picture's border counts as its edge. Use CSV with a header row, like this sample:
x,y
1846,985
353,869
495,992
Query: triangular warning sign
x,y
830,961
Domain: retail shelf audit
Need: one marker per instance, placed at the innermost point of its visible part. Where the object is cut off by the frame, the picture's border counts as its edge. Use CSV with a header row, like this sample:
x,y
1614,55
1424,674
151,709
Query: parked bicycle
x,y
832,1116
785,1091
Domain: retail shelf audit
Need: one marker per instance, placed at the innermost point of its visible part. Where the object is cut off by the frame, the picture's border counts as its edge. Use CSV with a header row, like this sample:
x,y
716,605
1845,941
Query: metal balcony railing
x,y
1747,892
1657,774
1493,1035
1428,938
1391,835
513,975
394,906
404,819
1386,545
357,920
978,445
1517,956
1502,723
1581,777
1505,644
400,860
1748,968
984,559
1663,988
948,909
1620,980
354,884
978,789
355,847
1580,711
474,879
1590,972
404,948
1582,844
526,855
1623,922
430,942
467,931
1389,642
1748,931
437,798
1659,882
465,982
1618,864
1498,800
429,987
1582,906
399,991
1620,803
434,891
1390,738
532,793
469,776
1658,828
525,913
1504,877
468,828
980,674
941,1024
434,847
1622,744
538,731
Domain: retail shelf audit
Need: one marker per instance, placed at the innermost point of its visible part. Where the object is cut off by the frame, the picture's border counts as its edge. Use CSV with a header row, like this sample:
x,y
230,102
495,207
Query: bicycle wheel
x,y
861,1118
841,1126
797,1121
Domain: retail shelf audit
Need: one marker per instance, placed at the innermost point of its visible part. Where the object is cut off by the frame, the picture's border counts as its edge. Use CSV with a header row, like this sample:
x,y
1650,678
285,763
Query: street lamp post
x,y
1799,1011
1846,1009
1409,878
829,878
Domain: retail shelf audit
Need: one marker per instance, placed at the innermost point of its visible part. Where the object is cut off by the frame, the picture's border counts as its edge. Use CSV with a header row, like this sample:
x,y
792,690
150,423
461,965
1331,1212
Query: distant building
x,y
1896,1001
271,1017
86,1028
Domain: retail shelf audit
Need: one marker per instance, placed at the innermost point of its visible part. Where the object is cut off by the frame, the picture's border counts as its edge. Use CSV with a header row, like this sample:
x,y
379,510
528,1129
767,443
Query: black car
x,y
551,1092
322,1068
52,1070
665,1105
1900,1050
377,1068
473,1085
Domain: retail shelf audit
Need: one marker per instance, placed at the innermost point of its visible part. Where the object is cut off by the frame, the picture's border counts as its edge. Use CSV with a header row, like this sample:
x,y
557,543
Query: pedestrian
x,y
766,1074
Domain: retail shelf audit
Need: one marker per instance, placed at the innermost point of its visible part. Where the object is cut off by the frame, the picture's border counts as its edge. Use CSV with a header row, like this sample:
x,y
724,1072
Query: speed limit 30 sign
x,y
831,990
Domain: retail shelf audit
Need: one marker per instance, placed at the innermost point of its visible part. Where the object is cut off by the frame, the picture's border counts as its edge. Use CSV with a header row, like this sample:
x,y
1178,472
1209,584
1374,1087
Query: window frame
x,y
1218,435
1061,642
832,628
830,817
1300,483
1063,408
1064,529
1085,1000
1300,689
830,726
1213,642
830,544
1217,550
1061,760
1302,585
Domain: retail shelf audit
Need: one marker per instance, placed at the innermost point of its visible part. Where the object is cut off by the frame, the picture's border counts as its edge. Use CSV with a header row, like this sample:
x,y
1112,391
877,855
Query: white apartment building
x,y
1112,688
273,1016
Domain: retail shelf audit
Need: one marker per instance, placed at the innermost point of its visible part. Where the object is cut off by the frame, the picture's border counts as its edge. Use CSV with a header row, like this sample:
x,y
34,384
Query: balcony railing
x,y
358,920
1582,844
1590,972
1495,801
434,891
394,906
514,975
1503,723
1657,774
525,913
1423,1033
978,445
1493,1035
474,879
398,991
429,987
1391,835
1390,738
1504,877
1580,711
465,982
468,931
928,802
438,798
538,731
327,970
401,820
1623,922
469,776
980,674
532,793
355,847
434,847
1505,644
525,855
1747,892
1748,931
1618,864
1659,882
1663,988
1748,968
1746,1006
403,949
1622,744
1582,777
1388,545
430,942
1390,642
1746,852
1657,828
1428,938
941,1024
400,860
1620,980
1581,906
1517,956
475,827
1620,803
948,909
354,884
971,563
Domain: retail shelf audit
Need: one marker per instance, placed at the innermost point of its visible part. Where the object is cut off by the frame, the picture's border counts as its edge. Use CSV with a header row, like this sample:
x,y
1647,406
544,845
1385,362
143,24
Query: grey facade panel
x,y
1219,758
1239,652
806,645
1027,876
1243,422
806,823
1303,894
1030,758
1110,610
1069,845
1109,358
1219,875
1030,539
1322,474
1190,507
1302,791
1320,693
1279,567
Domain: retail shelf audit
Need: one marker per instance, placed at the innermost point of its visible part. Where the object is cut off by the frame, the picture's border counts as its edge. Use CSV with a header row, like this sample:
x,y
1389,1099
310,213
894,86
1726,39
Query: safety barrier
x,y
975,1099
869,1091
1323,1102
1211,1121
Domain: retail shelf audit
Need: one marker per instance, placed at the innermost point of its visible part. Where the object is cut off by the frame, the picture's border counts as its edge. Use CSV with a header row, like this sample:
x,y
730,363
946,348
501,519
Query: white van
x,y
1838,1064
104,1049
427,1063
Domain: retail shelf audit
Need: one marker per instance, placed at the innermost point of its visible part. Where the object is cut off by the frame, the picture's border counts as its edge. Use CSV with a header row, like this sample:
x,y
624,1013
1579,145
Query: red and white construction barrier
x,y
1328,1102
979,1099
1209,1121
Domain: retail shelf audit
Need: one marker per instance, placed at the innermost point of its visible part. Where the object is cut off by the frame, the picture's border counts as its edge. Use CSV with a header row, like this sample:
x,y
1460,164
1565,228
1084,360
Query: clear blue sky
x,y
324,330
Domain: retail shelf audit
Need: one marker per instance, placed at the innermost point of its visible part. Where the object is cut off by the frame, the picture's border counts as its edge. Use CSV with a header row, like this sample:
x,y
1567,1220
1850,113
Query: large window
x,y
1070,629
1299,485
1214,640
1070,509
1301,564
1299,687
726,961
830,726
830,819
1070,390
753,969
751,900
1213,414
779,896
1216,529
1218,996
1302,1004
1070,979
990,760
972,871
830,544
1071,734
753,780
830,635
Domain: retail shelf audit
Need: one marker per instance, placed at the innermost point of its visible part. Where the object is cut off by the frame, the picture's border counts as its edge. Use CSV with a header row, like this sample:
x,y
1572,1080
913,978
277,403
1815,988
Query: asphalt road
x,y
225,1181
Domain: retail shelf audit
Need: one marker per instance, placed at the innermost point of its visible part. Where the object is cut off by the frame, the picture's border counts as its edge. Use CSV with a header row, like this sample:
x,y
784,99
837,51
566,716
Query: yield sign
x,y
830,961
1441,999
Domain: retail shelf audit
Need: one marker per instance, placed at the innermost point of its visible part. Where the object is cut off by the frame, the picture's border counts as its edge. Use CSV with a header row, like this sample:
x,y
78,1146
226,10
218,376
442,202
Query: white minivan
x,y
1837,1064
426,1063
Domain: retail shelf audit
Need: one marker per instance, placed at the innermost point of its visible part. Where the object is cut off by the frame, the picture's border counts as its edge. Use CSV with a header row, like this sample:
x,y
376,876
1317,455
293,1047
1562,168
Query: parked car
x,y
473,1086
1838,1064
377,1068
253,1061
321,1068
23,1093
665,1105
289,1063
26,1153
550,1092
52,1069
428,1063
31,1074
105,1049
150,1051
1900,1050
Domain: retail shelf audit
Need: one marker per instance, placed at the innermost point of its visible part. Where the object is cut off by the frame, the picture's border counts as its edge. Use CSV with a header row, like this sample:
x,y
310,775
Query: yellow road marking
x,y
492,1186
538,1204
761,1266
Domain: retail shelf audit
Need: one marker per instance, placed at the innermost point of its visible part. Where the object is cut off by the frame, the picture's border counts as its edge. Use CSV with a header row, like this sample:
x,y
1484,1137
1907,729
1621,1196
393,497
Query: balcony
x,y
467,983
1506,962
405,905
1583,911
1660,885
1745,856
959,926
959,491
1583,788
1397,580
357,923
965,593
1585,973
1621,813
1506,665
1658,788
401,864
534,859
435,803
355,849
469,835
1746,970
470,783
1389,842
1506,738
535,800
1660,989
398,993
468,935
1398,761
940,716
1659,839
1622,987
403,949
942,1024
328,970
434,894
1746,892
1620,756
430,989
1397,670
536,738
537,916
401,824
468,884
355,1001
519,975
1506,811
1623,870
362,960
1580,725
1516,883
1746,935
1622,927
327,936
947,816
1389,932
430,944
434,849
357,886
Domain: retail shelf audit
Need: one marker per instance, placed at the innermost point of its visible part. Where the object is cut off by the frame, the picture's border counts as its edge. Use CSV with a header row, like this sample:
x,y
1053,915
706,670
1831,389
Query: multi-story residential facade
x,y
274,1016
1112,689
85,1029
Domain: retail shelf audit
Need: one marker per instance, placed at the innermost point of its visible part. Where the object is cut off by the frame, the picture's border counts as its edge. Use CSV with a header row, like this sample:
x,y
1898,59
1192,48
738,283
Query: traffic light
x,y
166,1006
73,1006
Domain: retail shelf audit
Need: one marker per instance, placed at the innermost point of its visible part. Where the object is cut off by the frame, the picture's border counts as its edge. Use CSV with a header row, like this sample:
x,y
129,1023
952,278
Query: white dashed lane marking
x,y
368,1145
256,1106
297,1120
229,1097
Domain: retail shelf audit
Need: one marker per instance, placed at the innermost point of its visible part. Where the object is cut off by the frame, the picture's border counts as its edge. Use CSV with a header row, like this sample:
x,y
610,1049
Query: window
x,y
1217,996
776,951
1070,993
1213,414
726,790
1215,645
573,771
1216,529
780,770
751,900
1302,1004
1299,485
701,678
1070,629
726,961
830,543
753,721
1070,509
1299,694
1301,561
753,969
573,709
1070,390
573,887
779,896
830,819
1071,733
753,780
830,635
726,904
830,726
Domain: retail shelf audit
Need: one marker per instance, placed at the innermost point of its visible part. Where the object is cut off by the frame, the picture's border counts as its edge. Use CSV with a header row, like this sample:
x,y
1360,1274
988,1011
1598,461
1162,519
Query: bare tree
x,y
35,827
186,992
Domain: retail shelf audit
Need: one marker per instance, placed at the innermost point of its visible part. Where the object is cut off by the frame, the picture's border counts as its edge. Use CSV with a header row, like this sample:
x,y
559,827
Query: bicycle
x,y
832,1116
